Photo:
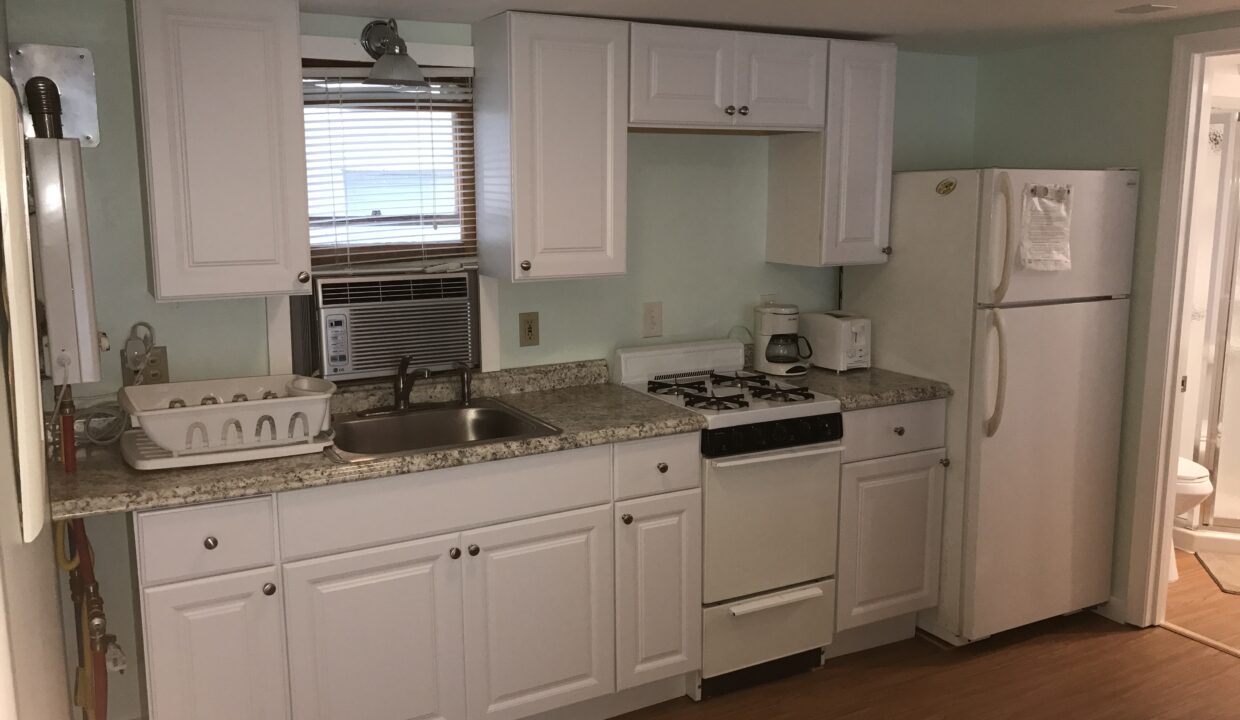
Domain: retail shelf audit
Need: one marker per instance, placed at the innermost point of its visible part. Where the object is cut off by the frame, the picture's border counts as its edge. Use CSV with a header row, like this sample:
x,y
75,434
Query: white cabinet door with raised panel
x,y
215,648
377,633
781,81
861,94
682,76
658,587
569,146
221,106
891,522
539,620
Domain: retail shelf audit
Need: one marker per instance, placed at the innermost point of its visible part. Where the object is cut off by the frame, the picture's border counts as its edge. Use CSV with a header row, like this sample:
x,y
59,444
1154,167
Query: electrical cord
x,y
103,424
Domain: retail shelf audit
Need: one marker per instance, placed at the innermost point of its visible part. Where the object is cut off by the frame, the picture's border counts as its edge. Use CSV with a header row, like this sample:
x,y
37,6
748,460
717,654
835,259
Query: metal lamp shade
x,y
396,68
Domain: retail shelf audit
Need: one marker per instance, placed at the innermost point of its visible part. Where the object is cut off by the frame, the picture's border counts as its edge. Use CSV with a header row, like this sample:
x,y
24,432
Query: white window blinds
x,y
390,170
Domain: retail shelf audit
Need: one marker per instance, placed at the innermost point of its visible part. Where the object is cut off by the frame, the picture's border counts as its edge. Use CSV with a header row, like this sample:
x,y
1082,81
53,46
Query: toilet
x,y
1192,487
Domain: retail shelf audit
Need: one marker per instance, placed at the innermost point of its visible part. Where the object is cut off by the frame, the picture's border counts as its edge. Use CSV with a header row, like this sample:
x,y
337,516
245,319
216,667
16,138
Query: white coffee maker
x,y
778,349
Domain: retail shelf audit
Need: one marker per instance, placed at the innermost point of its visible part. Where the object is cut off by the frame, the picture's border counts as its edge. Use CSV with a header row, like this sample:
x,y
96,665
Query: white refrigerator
x,y
33,681
1012,286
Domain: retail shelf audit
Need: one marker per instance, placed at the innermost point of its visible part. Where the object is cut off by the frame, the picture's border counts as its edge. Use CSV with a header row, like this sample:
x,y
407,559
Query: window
x,y
390,170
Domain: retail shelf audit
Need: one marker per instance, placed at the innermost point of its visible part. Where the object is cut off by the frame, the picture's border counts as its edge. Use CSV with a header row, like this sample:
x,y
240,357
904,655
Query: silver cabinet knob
x,y
730,110
303,277
269,589
898,430
661,467
743,110
627,519
525,265
474,550
946,462
887,250
211,543
454,553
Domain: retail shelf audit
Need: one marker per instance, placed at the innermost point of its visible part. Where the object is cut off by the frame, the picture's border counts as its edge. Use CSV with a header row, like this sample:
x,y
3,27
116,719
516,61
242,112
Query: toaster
x,y
840,341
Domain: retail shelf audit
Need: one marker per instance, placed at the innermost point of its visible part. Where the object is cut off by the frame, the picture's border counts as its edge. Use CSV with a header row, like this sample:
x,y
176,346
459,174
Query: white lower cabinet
x,y
215,648
539,623
658,587
377,633
891,522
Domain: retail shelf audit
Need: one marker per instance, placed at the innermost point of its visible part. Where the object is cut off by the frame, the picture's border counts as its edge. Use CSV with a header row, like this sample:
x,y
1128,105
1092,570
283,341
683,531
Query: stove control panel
x,y
772,435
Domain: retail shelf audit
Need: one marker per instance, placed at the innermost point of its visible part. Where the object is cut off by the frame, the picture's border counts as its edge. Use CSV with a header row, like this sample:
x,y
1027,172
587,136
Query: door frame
x,y
1145,597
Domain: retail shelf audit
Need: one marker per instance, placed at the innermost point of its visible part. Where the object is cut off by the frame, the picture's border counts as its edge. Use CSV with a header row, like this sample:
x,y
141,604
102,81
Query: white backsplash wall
x,y
696,243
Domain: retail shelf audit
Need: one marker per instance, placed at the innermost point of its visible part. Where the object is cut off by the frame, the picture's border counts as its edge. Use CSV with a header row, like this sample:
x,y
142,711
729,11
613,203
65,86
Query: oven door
x,y
770,520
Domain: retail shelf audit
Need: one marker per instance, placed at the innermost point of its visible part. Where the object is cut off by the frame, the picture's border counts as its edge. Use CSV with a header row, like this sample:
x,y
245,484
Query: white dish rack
x,y
214,421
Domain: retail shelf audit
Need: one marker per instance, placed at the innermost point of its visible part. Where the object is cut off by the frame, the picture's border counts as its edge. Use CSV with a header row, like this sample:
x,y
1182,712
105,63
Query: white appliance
x,y
778,349
770,489
1028,324
33,682
841,341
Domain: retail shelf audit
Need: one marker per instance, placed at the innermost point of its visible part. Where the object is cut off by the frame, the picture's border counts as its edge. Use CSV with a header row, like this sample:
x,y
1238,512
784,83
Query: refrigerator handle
x,y
996,416
22,359
1005,276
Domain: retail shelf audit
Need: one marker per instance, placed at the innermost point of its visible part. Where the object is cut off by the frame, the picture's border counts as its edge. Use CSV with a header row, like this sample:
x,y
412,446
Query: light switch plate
x,y
527,329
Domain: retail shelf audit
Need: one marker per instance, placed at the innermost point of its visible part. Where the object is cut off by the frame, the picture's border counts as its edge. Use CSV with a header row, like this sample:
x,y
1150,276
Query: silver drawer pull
x,y
773,601
898,430
211,542
661,467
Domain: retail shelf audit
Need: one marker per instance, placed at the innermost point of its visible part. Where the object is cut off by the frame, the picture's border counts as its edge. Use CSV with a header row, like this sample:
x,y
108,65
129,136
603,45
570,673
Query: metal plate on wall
x,y
73,71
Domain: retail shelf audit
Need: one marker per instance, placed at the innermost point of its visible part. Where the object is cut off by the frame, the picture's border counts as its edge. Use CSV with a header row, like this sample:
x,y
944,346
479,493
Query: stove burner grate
x,y
782,394
715,402
739,379
676,387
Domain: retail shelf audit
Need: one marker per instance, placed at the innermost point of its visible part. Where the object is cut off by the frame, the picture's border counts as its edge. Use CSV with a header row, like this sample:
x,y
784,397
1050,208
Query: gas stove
x,y
709,378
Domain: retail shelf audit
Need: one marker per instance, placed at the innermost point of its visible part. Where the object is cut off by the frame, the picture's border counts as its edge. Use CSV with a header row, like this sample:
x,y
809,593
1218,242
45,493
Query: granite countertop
x,y
873,387
574,397
594,414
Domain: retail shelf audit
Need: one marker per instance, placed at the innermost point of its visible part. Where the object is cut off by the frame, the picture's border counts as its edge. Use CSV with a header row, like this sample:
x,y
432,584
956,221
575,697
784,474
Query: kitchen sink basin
x,y
366,436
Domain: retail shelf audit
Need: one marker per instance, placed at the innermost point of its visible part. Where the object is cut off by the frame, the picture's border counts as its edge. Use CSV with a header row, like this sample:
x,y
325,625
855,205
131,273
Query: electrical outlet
x,y
652,319
527,329
155,371
766,299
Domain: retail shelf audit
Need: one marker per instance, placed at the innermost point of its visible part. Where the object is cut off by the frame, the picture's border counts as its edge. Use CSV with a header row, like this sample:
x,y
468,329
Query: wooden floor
x,y
1076,667
1194,602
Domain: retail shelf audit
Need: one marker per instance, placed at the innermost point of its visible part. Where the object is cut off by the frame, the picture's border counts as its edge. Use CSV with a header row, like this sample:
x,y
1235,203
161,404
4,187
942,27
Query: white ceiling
x,y
927,23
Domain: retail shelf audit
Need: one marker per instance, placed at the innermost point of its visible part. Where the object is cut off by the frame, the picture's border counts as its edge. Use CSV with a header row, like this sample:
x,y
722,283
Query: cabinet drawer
x,y
894,430
204,540
405,507
649,467
743,633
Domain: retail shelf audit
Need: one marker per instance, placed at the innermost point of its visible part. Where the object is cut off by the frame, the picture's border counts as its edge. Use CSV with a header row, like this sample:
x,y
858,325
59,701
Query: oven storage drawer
x,y
894,430
747,632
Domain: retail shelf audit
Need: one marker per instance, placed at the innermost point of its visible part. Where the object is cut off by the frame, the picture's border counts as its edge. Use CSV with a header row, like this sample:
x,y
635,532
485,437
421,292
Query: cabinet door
x,y
891,520
861,91
539,620
658,587
215,648
224,146
780,81
377,633
569,146
682,76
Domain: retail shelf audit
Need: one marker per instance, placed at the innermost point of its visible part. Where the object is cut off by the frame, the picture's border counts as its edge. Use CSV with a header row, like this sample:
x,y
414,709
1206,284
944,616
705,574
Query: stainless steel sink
x,y
366,436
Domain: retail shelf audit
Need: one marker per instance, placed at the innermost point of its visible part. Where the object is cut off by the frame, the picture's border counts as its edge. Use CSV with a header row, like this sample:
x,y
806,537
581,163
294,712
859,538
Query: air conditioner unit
x,y
366,324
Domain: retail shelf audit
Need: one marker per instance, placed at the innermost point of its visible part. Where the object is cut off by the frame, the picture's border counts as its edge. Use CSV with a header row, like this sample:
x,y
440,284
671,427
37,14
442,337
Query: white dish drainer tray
x,y
215,421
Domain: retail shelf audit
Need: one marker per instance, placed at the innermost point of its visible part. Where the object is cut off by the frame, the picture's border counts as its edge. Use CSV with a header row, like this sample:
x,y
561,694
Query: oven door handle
x,y
769,603
751,459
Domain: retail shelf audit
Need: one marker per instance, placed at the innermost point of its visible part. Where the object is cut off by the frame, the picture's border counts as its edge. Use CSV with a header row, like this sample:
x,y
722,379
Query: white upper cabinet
x,y
551,106
830,194
221,106
721,79
780,81
682,76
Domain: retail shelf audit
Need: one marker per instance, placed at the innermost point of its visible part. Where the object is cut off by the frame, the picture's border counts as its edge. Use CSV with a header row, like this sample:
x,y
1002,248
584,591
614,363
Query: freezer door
x,y
1044,431
1102,236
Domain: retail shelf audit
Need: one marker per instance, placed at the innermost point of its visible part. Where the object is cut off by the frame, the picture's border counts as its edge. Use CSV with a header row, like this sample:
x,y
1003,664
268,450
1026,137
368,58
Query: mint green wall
x,y
936,104
1093,101
411,30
